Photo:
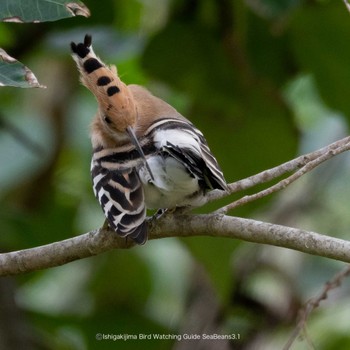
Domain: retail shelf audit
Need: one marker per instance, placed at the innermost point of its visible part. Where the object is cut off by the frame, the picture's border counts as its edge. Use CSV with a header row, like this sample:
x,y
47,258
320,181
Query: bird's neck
x,y
101,137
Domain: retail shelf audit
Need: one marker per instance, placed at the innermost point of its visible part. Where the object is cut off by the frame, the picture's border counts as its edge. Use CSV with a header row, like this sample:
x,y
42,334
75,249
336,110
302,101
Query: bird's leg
x,y
169,211
159,213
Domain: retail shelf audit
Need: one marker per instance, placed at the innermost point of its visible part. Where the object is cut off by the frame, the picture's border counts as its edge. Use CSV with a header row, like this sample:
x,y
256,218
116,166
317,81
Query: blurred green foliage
x,y
264,80
12,72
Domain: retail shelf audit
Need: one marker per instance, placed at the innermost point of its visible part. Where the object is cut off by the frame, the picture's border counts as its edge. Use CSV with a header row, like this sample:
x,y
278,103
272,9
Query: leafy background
x,y
264,80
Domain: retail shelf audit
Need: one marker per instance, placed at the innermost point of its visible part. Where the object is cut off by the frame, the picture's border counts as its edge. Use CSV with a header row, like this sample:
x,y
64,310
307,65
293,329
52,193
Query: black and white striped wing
x,y
206,169
184,142
214,175
121,197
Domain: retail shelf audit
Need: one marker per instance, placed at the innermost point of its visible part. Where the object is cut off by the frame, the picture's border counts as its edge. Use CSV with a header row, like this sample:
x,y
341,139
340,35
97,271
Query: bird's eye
x,y
107,120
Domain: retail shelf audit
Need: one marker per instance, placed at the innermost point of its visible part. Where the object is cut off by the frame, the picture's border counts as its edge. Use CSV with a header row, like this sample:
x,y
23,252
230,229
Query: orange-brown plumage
x,y
119,107
116,106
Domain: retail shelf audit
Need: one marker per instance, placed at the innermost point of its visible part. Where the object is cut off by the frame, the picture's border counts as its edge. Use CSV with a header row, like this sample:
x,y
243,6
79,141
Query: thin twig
x,y
274,173
310,165
313,303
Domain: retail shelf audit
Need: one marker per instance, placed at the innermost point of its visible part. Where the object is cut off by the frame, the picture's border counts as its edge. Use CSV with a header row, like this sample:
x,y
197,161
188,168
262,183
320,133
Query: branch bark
x,y
215,225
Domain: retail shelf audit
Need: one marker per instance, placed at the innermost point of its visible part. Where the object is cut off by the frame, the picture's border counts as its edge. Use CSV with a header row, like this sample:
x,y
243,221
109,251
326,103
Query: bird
x,y
146,155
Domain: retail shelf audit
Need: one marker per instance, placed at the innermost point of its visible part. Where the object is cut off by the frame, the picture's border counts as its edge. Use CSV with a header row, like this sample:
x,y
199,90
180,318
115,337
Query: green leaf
x,y
14,73
24,11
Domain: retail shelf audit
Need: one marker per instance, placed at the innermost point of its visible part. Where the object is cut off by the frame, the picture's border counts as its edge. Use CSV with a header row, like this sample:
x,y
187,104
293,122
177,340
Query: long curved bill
x,y
137,145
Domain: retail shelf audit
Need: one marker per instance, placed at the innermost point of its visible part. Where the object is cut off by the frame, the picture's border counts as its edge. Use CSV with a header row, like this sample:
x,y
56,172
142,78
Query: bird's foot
x,y
169,211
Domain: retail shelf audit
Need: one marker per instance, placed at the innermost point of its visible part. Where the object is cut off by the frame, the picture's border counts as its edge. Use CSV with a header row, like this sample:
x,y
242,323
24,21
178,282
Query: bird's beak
x,y
137,145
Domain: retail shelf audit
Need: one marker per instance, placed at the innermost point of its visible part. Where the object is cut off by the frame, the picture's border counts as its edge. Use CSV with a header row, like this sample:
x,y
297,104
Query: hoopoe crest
x,y
145,154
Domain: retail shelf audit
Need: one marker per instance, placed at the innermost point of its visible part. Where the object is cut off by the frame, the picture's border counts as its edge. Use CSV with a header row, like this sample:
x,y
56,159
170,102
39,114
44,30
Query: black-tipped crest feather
x,y
82,49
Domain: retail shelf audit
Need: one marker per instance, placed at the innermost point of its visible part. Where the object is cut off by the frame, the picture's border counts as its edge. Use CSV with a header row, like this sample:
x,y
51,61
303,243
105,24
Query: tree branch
x,y
310,164
346,2
287,167
99,241
215,224
315,302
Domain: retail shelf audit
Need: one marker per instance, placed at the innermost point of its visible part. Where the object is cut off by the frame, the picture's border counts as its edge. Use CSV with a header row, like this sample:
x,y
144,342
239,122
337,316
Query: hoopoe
x,y
146,155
